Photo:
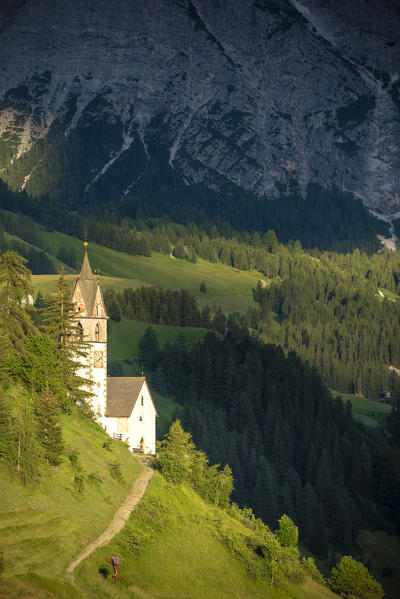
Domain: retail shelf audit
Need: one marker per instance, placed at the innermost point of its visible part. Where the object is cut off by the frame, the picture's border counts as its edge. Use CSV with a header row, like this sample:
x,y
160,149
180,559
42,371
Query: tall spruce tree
x,y
15,289
24,450
49,430
60,323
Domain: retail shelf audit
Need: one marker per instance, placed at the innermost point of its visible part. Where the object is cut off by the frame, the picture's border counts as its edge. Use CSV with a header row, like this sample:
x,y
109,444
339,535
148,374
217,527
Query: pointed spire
x,y
86,271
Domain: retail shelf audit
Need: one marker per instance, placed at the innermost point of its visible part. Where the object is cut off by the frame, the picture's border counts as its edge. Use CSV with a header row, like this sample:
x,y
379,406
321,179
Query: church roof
x,y
86,271
122,395
88,285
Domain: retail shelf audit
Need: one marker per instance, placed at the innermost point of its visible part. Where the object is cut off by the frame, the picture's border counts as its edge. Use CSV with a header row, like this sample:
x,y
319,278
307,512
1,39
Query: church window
x,y
142,401
80,332
141,419
97,333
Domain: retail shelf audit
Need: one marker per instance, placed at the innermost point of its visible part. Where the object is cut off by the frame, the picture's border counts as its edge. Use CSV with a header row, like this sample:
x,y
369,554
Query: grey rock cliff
x,y
268,95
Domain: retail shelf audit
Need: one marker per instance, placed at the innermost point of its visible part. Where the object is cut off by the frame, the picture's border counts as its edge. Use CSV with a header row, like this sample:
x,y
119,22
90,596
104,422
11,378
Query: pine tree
x,y
49,431
4,358
288,533
60,323
175,454
15,289
5,427
352,579
149,348
24,449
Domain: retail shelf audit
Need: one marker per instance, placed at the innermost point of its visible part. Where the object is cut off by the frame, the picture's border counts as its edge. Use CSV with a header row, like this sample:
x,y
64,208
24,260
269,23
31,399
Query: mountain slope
x,y
45,525
106,100
175,545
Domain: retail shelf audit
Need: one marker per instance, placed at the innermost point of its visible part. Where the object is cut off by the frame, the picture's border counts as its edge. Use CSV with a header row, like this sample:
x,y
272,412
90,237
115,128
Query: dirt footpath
x,y
118,521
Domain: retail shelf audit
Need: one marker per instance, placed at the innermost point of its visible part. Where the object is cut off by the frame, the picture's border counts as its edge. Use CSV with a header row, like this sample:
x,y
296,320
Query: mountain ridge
x,y
251,95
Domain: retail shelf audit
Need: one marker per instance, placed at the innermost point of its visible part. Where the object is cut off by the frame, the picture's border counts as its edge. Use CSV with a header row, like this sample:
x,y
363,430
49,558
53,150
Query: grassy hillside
x,y
369,412
227,287
46,284
173,546
43,526
10,239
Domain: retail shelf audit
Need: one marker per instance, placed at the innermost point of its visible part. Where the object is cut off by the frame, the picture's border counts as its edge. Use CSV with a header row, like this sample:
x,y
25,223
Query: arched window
x,y
97,309
79,330
142,401
97,332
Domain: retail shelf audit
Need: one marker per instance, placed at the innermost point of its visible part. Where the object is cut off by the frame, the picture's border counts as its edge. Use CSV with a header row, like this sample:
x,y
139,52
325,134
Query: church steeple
x,y
87,294
86,271
91,315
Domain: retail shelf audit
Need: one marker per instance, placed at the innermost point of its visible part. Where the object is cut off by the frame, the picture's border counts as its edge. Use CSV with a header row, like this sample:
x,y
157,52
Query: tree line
x,y
156,305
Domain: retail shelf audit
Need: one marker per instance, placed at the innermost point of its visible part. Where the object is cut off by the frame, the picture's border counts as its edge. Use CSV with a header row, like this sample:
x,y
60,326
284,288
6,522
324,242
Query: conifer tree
x,y
149,348
49,430
175,454
24,449
60,323
288,533
4,357
15,288
5,427
352,579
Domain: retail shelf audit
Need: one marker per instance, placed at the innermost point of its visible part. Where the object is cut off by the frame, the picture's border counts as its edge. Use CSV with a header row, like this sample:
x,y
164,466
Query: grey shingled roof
x,y
88,285
122,394
86,271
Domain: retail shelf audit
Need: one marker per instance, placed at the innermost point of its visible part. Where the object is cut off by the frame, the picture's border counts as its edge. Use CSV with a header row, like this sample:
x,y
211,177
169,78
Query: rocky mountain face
x,y
97,98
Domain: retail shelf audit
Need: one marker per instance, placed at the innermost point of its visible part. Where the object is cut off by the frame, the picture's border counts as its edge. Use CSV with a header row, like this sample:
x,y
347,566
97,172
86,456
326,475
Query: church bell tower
x,y
90,312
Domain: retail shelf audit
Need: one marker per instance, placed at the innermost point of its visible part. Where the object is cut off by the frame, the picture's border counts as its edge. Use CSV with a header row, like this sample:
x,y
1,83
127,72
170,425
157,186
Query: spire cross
x,y
85,243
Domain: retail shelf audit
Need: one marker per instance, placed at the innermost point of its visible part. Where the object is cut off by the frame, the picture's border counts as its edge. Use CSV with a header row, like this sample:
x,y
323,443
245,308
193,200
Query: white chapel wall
x,y
146,427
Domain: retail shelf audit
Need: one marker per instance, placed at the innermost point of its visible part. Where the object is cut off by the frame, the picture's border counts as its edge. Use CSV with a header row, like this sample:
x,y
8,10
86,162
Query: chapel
x,y
122,405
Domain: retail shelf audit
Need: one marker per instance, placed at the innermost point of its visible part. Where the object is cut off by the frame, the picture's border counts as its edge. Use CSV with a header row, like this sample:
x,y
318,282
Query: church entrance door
x,y
142,444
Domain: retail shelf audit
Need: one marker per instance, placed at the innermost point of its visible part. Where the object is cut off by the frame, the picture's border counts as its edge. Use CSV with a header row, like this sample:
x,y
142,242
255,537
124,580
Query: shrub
x,y
288,533
74,457
135,537
311,569
107,445
94,478
351,579
79,483
115,471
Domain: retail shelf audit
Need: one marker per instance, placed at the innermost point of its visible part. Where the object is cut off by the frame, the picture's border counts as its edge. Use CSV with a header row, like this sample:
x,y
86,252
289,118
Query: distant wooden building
x,y
385,396
122,405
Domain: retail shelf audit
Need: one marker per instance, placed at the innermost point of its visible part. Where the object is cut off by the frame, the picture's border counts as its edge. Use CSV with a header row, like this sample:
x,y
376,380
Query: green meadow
x,y
229,288
124,337
369,412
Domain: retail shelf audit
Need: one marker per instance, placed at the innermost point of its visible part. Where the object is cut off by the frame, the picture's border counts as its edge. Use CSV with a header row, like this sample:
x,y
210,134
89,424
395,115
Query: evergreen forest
x,y
292,447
